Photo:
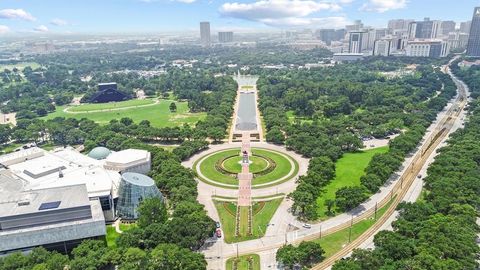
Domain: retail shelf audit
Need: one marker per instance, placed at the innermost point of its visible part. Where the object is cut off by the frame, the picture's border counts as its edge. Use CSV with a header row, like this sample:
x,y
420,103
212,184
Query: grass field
x,y
260,220
334,242
20,65
159,114
283,167
243,220
348,171
243,262
112,234
111,105
257,164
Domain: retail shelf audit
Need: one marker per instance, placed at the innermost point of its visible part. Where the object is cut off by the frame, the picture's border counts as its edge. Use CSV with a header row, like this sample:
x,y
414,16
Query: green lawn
x,y
260,220
257,164
291,118
243,220
348,171
85,107
159,115
243,262
20,65
112,234
282,168
334,242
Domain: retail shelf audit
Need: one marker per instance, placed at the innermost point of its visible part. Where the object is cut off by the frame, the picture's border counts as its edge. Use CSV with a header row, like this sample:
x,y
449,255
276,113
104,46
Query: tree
x,y
134,259
275,135
287,256
151,210
170,256
329,203
173,107
347,198
310,253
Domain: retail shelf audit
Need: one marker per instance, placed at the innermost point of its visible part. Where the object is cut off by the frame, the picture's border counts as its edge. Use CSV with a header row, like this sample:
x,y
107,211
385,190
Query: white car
x,y
307,226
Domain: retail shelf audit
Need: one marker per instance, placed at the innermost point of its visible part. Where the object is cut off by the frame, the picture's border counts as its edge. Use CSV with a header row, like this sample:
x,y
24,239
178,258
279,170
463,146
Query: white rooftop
x,y
64,167
128,156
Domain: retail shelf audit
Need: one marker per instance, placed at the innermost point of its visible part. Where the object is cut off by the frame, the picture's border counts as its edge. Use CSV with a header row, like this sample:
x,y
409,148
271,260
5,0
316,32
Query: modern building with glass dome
x,y
134,188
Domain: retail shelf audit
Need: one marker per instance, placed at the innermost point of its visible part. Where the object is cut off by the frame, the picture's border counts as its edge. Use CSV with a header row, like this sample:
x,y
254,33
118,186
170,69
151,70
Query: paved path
x,y
67,109
276,236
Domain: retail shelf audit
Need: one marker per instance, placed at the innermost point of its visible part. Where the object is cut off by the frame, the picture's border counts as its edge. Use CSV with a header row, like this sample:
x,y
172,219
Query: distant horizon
x,y
29,17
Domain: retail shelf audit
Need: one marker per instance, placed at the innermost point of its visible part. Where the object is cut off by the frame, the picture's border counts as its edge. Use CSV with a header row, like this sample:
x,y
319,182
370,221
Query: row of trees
x,y
440,231
301,257
161,237
93,254
333,114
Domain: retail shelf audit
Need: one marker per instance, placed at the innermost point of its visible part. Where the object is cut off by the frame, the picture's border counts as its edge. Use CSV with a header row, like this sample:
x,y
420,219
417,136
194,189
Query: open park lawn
x,y
159,114
261,218
244,262
334,242
86,107
348,171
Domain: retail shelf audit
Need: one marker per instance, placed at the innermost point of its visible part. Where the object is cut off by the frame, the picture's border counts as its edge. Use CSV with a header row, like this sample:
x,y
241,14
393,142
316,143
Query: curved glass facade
x,y
134,188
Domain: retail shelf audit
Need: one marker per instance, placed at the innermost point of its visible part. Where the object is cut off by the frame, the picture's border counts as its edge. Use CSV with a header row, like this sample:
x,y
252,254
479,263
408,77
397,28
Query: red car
x,y
218,233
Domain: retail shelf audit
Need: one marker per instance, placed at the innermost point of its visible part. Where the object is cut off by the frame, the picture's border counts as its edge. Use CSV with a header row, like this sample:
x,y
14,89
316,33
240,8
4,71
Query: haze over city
x,y
140,16
239,135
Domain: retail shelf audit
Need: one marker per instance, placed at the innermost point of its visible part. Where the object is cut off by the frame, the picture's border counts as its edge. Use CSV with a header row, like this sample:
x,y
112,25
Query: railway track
x,y
407,178
397,193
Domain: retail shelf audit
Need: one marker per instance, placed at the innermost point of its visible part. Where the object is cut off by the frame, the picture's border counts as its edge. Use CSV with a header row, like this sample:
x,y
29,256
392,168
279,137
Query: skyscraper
x,y
447,27
225,37
205,33
473,46
356,41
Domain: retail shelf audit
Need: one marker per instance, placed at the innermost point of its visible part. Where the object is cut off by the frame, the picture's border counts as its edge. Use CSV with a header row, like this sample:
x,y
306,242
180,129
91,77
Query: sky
x,y
147,16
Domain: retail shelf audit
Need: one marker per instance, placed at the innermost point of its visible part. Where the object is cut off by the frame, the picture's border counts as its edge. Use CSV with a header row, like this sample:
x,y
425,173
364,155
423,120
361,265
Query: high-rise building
x,y
356,26
326,35
473,46
399,24
457,40
465,26
426,29
356,41
382,47
205,33
427,48
225,37
447,27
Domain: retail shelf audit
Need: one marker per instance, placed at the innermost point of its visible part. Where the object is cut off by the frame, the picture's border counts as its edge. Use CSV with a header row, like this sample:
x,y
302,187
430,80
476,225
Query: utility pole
x,y
320,231
237,251
350,231
376,204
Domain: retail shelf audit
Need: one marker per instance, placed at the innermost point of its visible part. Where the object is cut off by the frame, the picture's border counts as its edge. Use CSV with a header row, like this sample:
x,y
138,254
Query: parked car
x,y
217,224
307,226
218,233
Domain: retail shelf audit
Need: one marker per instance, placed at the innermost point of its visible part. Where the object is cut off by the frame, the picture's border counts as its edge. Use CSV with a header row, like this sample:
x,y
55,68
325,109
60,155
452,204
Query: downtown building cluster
x,y
400,37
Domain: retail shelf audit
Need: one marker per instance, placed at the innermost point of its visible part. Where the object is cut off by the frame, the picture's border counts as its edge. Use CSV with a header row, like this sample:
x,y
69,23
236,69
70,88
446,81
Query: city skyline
x,y
144,16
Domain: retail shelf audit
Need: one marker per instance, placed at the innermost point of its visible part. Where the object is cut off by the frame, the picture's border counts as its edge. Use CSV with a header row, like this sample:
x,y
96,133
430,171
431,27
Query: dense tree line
x,y
301,257
336,107
440,231
161,237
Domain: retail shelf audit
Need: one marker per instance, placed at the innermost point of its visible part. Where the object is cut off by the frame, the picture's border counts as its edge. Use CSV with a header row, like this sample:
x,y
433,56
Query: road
x,y
451,121
285,228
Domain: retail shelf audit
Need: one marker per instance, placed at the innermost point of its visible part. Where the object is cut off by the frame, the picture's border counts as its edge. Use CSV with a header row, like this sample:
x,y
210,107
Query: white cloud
x,y
59,22
383,5
4,29
286,12
275,9
41,28
16,14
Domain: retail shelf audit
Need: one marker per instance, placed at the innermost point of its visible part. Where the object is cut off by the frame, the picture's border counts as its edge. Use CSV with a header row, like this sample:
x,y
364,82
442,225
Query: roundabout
x,y
269,167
